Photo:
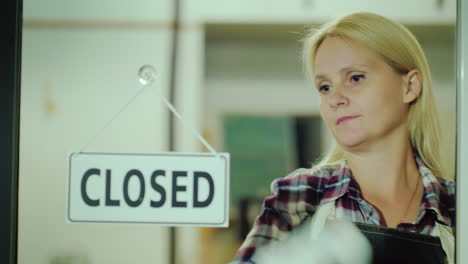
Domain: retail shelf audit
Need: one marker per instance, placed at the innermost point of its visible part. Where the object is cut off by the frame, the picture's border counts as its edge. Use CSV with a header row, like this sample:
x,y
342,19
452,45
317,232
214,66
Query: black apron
x,y
390,245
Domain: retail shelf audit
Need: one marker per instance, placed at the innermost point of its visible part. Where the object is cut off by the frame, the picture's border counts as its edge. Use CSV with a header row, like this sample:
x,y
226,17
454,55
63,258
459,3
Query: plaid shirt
x,y
297,196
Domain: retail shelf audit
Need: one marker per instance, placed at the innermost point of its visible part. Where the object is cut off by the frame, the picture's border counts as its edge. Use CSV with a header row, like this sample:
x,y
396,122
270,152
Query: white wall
x,y
77,72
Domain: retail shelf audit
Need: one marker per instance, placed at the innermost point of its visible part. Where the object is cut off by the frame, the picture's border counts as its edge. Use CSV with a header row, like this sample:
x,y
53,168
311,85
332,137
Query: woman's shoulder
x,y
306,179
442,193
447,184
446,191
300,192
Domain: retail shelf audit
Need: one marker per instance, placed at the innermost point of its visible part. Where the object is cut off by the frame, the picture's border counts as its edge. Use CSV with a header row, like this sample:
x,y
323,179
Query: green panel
x,y
262,148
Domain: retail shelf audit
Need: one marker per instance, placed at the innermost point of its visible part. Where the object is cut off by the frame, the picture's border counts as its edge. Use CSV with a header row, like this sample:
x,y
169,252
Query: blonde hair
x,y
400,49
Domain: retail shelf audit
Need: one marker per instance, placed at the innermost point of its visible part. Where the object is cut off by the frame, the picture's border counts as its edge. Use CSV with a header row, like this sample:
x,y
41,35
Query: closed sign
x,y
166,188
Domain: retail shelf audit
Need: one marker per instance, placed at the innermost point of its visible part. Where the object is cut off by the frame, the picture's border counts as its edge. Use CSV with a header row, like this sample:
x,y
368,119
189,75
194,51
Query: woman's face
x,y
361,96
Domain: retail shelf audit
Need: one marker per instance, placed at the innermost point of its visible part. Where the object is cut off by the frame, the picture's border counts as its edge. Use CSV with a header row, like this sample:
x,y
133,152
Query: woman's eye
x,y
357,77
324,88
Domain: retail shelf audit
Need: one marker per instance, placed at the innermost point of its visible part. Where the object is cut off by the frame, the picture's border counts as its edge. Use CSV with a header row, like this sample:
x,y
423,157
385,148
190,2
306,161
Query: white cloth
x,y
327,212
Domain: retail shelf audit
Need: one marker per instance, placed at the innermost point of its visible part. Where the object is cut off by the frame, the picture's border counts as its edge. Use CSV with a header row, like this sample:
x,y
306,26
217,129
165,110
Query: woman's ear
x,y
412,86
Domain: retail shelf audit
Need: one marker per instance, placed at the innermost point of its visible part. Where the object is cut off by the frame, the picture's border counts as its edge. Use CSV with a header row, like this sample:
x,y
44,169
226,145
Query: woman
x,y
384,172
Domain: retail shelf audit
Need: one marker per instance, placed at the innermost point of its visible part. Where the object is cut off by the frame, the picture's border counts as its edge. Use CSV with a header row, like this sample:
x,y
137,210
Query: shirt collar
x,y
432,194
342,183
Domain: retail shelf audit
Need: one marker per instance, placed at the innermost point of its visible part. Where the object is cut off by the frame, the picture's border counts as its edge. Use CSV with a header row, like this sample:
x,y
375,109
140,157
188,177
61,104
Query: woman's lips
x,y
344,118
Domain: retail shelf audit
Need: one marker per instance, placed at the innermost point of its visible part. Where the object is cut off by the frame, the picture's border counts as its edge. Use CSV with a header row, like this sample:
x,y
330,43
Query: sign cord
x,y
113,118
186,125
147,77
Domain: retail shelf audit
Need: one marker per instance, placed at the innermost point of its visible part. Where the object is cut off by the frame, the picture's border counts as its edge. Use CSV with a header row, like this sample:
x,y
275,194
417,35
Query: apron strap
x,y
447,240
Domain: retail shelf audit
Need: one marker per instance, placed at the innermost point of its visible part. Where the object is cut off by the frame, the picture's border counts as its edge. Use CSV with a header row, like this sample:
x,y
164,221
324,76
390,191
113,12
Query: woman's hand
x,y
339,243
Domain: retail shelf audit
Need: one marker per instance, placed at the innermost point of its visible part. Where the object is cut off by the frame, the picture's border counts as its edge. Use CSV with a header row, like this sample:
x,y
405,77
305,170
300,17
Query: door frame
x,y
10,88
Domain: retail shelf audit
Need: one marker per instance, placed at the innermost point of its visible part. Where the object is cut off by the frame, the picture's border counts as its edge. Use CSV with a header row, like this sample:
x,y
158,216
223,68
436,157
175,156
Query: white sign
x,y
164,188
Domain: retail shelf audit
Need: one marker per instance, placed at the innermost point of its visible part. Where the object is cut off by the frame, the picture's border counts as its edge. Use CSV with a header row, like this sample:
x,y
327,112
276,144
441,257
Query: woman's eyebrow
x,y
320,77
344,69
347,68
354,67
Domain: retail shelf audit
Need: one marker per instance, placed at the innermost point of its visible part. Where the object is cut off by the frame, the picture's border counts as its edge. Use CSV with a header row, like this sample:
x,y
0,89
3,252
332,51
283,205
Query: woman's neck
x,y
385,173
389,180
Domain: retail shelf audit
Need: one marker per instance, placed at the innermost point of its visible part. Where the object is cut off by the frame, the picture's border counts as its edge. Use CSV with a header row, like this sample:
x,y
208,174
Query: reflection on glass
x,y
240,62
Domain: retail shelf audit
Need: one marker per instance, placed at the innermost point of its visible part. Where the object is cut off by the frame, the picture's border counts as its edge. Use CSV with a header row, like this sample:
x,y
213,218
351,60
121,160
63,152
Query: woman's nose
x,y
338,98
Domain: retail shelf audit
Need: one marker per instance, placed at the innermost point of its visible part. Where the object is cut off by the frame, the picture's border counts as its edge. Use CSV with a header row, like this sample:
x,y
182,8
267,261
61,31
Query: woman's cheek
x,y
325,116
322,112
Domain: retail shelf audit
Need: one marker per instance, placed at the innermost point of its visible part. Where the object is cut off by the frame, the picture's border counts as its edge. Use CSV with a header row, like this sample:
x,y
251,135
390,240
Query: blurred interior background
x,y
238,80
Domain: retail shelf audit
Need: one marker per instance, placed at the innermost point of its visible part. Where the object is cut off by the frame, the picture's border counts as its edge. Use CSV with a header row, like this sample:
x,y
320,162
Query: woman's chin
x,y
351,142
